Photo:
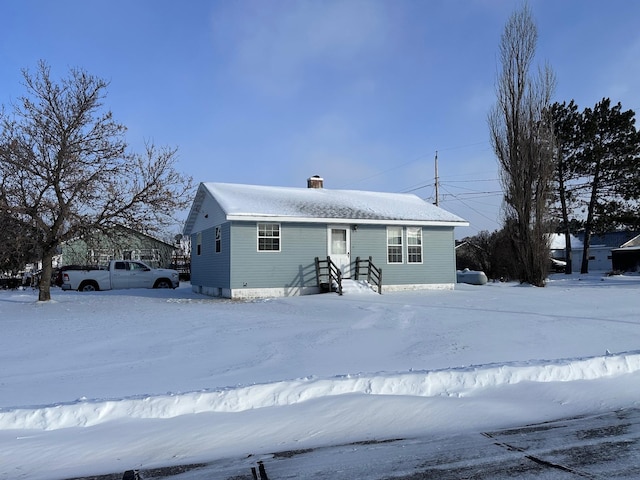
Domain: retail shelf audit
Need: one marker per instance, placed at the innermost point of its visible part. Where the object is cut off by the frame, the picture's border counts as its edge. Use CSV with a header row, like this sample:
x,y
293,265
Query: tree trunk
x,y
44,294
562,192
568,268
595,186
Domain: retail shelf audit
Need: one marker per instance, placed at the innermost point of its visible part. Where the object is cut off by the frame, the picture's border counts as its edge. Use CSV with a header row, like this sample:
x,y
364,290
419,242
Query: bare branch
x,y
522,140
65,169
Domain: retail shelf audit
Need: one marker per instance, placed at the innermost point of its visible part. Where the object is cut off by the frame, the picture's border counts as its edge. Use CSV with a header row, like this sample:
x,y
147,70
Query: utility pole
x,y
437,182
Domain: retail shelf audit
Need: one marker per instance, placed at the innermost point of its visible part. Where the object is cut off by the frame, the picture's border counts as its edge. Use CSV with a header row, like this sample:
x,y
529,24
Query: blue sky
x,y
362,93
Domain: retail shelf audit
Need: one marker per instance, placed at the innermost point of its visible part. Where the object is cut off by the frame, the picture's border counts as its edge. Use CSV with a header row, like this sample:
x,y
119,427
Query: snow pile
x,y
449,382
356,286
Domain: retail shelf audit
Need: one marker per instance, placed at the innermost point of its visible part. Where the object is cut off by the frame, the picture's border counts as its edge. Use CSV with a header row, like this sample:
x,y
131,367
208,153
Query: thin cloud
x,y
274,44
626,84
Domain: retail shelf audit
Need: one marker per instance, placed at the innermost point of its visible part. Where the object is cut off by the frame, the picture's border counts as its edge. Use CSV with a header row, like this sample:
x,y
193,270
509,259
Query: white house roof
x,y
259,203
634,242
558,242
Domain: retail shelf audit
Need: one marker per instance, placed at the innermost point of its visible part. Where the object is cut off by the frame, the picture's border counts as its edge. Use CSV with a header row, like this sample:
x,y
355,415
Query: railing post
x,y
357,267
317,260
334,272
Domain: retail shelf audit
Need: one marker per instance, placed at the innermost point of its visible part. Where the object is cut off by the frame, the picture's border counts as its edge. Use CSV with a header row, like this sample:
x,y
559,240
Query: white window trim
x,y
198,244
218,239
258,237
419,229
395,245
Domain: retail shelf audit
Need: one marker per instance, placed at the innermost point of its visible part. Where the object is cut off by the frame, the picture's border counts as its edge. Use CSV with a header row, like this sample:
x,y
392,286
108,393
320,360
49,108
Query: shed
x,y
602,249
251,241
627,257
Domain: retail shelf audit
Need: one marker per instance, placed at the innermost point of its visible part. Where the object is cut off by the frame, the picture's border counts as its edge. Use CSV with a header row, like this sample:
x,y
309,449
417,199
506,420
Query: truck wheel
x,y
88,287
163,283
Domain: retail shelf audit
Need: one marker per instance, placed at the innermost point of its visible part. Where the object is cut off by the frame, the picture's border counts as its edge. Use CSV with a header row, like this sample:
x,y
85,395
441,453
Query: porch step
x,y
350,286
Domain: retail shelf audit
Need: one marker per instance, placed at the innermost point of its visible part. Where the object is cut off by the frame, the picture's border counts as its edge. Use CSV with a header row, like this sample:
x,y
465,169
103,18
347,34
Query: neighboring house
x,y
252,241
124,243
627,257
600,250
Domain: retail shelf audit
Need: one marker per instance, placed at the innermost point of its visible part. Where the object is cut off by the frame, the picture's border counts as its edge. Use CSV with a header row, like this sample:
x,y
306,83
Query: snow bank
x,y
456,382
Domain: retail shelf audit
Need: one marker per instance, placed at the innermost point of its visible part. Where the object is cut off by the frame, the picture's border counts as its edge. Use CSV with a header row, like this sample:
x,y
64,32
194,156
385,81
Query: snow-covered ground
x,y
108,381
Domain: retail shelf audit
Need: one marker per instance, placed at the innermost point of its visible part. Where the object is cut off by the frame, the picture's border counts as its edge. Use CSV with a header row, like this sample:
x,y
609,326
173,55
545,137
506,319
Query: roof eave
x,y
194,211
349,221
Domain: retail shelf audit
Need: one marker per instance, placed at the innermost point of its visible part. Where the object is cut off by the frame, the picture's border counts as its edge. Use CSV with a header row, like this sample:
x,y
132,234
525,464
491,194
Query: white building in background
x,y
600,251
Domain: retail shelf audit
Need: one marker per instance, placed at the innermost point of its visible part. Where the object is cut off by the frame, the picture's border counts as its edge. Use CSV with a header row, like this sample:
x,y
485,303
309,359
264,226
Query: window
x,y
268,237
394,244
414,245
147,255
199,243
101,256
338,241
218,239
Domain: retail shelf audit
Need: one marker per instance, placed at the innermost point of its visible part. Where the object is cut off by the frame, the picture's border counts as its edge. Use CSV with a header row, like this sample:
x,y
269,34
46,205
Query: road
x,y
602,446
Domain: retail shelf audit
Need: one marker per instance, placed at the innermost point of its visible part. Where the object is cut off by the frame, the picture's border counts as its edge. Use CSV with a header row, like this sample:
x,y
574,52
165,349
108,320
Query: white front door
x,y
340,248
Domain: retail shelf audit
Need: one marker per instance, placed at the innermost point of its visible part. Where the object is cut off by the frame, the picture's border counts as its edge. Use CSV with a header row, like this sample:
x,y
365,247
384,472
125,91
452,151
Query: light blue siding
x,y
438,255
211,269
241,266
292,267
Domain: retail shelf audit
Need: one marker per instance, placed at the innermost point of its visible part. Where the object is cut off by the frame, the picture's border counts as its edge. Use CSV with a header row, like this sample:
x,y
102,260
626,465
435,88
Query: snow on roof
x,y
253,201
634,242
558,243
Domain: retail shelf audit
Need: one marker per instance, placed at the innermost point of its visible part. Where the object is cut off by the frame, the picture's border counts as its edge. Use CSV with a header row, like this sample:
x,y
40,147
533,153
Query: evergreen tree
x,y
608,159
566,125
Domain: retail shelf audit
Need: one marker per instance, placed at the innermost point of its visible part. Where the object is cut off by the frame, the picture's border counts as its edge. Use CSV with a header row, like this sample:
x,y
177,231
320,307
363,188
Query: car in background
x,y
557,266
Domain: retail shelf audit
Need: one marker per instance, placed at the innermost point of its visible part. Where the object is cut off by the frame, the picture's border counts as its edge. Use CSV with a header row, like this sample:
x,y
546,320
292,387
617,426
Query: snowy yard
x,y
108,381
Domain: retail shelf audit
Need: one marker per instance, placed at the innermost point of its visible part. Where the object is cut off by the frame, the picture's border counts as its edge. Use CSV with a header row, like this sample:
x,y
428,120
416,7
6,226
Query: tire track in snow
x,y
455,382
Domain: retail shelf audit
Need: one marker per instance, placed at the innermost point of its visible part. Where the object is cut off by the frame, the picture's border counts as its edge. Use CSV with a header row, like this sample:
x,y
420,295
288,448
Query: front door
x,y
340,249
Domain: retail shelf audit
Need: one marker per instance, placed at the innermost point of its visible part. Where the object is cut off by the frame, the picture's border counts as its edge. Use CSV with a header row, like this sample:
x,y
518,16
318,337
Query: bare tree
x,y
65,170
521,137
18,246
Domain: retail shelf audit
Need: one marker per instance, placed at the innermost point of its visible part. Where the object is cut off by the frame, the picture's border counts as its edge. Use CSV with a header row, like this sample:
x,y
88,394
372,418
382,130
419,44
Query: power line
x,y
388,170
474,181
420,157
474,210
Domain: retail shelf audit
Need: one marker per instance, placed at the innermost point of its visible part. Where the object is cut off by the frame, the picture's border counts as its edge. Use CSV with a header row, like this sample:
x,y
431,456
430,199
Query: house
x,y
627,257
601,249
250,241
123,243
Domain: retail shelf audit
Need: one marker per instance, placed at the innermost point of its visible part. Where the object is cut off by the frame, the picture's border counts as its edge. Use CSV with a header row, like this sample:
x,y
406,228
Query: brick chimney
x,y
315,182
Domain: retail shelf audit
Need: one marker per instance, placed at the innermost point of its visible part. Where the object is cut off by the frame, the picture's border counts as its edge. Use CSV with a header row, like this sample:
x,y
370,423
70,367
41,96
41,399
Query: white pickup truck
x,y
119,274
